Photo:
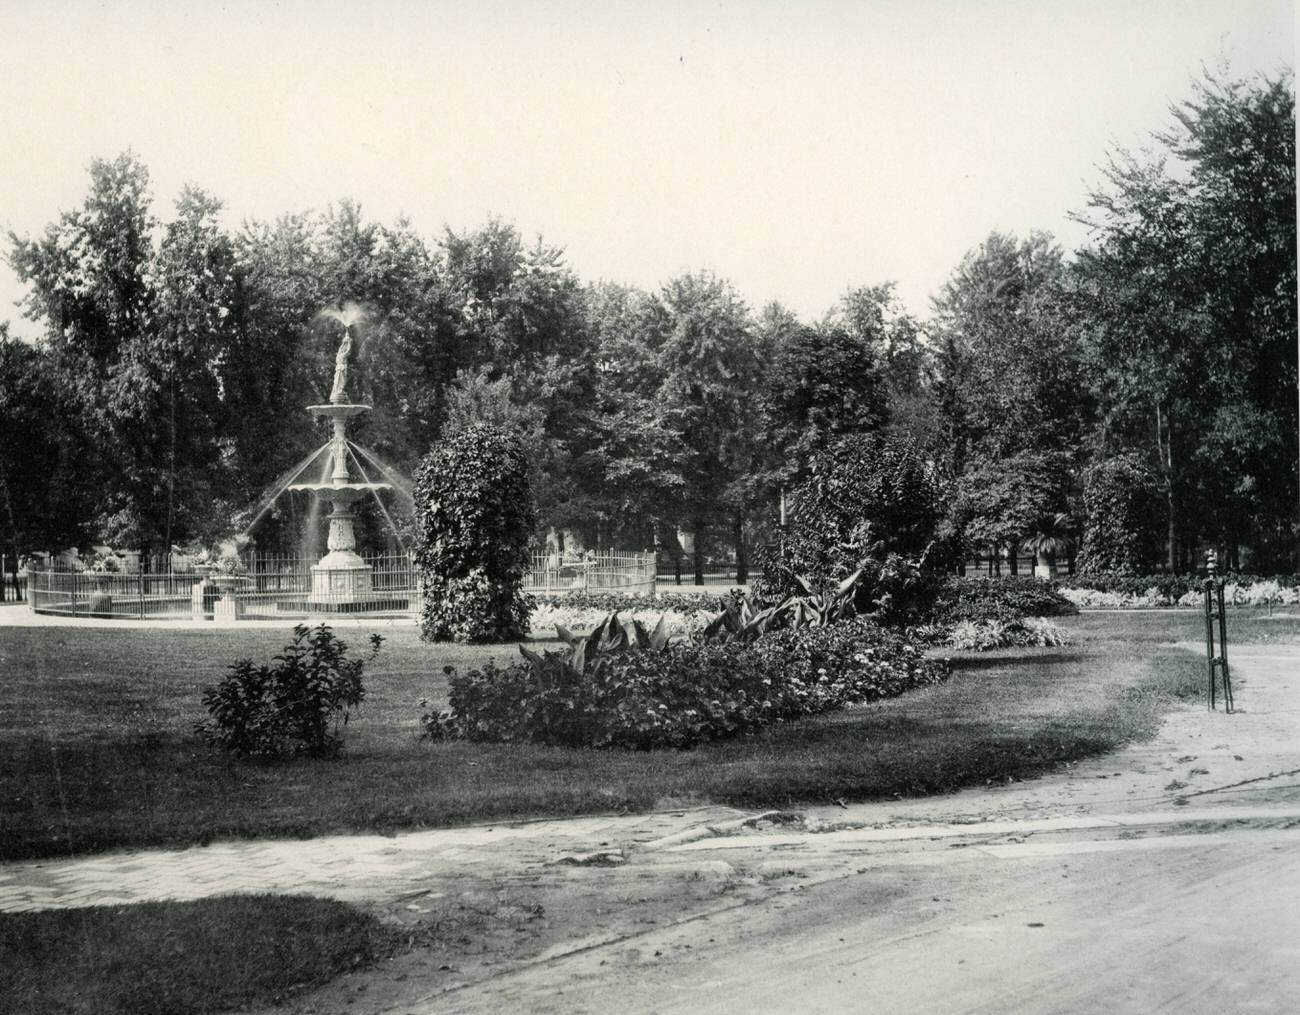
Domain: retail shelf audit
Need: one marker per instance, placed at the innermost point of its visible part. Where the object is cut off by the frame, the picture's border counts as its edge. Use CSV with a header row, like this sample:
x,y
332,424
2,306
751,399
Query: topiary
x,y
1122,508
475,520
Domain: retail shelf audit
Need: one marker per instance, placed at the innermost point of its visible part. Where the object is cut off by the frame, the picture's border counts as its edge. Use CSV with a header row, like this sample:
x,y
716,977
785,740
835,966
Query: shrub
x,y
474,519
546,618
982,635
1002,599
679,694
849,663
1114,591
296,705
1122,507
624,602
871,504
579,611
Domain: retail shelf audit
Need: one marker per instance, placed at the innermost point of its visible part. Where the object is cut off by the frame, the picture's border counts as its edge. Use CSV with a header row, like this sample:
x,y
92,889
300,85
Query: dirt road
x,y
1201,922
1164,877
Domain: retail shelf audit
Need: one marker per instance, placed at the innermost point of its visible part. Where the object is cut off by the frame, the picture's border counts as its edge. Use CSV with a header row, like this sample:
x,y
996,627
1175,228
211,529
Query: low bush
x,y
606,603
296,705
849,663
1114,591
679,694
1003,600
549,615
983,635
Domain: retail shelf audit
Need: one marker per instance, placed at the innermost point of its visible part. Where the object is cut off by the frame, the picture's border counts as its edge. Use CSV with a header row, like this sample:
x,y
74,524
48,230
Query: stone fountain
x,y
341,580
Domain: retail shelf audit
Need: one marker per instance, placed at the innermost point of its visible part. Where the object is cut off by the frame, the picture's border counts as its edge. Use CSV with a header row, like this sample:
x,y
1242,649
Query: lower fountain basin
x,y
346,494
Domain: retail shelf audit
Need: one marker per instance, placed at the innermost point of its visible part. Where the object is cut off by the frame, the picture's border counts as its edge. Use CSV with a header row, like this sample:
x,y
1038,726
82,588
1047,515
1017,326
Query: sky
x,y
795,149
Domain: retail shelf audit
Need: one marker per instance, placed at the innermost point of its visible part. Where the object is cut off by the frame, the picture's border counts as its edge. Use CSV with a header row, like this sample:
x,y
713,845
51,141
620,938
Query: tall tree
x,y
710,366
48,493
1008,388
1191,285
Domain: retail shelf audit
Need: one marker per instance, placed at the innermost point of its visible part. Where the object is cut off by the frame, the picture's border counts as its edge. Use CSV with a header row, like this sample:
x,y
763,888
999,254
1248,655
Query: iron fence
x,y
281,586
606,570
110,594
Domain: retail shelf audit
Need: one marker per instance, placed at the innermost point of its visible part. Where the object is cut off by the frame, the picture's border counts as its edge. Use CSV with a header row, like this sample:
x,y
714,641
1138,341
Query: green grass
x,y
97,752
179,958
97,749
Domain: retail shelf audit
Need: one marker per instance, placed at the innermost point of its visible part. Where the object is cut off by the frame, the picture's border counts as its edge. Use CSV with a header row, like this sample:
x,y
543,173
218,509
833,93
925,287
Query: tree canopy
x,y
168,391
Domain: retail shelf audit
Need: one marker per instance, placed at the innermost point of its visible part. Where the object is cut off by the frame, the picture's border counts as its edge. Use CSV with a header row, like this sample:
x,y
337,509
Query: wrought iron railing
x,y
606,570
279,586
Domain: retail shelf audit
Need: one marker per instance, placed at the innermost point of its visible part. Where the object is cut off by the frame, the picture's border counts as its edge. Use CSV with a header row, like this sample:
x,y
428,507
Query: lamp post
x,y
1216,660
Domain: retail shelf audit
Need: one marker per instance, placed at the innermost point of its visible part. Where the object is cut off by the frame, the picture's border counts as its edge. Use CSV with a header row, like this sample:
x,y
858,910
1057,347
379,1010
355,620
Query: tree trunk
x,y
699,552
738,540
1165,450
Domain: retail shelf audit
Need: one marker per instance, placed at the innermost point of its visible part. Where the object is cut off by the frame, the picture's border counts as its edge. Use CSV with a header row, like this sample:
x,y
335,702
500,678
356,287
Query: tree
x,y
1010,388
870,503
1191,288
709,365
90,282
47,482
1005,503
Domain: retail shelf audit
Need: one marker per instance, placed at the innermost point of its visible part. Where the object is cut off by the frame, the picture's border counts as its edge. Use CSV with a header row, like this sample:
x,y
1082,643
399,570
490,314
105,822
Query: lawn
x,y
97,749
181,958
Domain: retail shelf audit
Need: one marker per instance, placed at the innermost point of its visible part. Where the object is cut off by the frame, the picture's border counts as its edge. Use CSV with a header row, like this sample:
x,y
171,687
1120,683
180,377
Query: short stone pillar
x,y
203,595
229,607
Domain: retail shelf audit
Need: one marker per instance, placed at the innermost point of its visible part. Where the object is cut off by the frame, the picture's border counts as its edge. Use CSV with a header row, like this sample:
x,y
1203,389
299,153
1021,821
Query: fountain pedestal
x,y
341,580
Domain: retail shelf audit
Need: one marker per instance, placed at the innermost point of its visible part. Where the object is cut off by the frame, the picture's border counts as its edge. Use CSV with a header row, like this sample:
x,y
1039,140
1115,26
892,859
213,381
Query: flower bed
x,y
583,611
1122,592
682,693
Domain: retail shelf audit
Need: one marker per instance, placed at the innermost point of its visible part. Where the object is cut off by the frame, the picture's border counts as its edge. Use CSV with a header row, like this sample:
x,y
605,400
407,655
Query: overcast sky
x,y
796,148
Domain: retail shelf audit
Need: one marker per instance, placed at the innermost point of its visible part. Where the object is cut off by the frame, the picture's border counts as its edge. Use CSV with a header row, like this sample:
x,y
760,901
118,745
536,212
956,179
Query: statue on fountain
x,y
337,395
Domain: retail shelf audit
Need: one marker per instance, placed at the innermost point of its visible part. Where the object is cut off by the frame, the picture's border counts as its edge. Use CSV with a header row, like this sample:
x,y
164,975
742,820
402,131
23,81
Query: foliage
x,y
871,505
1052,536
475,522
1004,599
743,617
1189,294
605,693
293,706
987,634
1122,507
615,602
47,495
1121,591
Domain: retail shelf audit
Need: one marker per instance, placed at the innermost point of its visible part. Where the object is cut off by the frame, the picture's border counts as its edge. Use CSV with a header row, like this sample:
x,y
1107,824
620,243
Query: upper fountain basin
x,y
335,410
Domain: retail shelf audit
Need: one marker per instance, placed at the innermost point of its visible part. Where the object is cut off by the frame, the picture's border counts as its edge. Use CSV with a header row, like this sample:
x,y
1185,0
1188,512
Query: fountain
x,y
341,580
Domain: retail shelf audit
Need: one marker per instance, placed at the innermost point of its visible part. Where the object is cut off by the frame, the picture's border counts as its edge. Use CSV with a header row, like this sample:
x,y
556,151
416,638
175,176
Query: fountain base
x,y
340,578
